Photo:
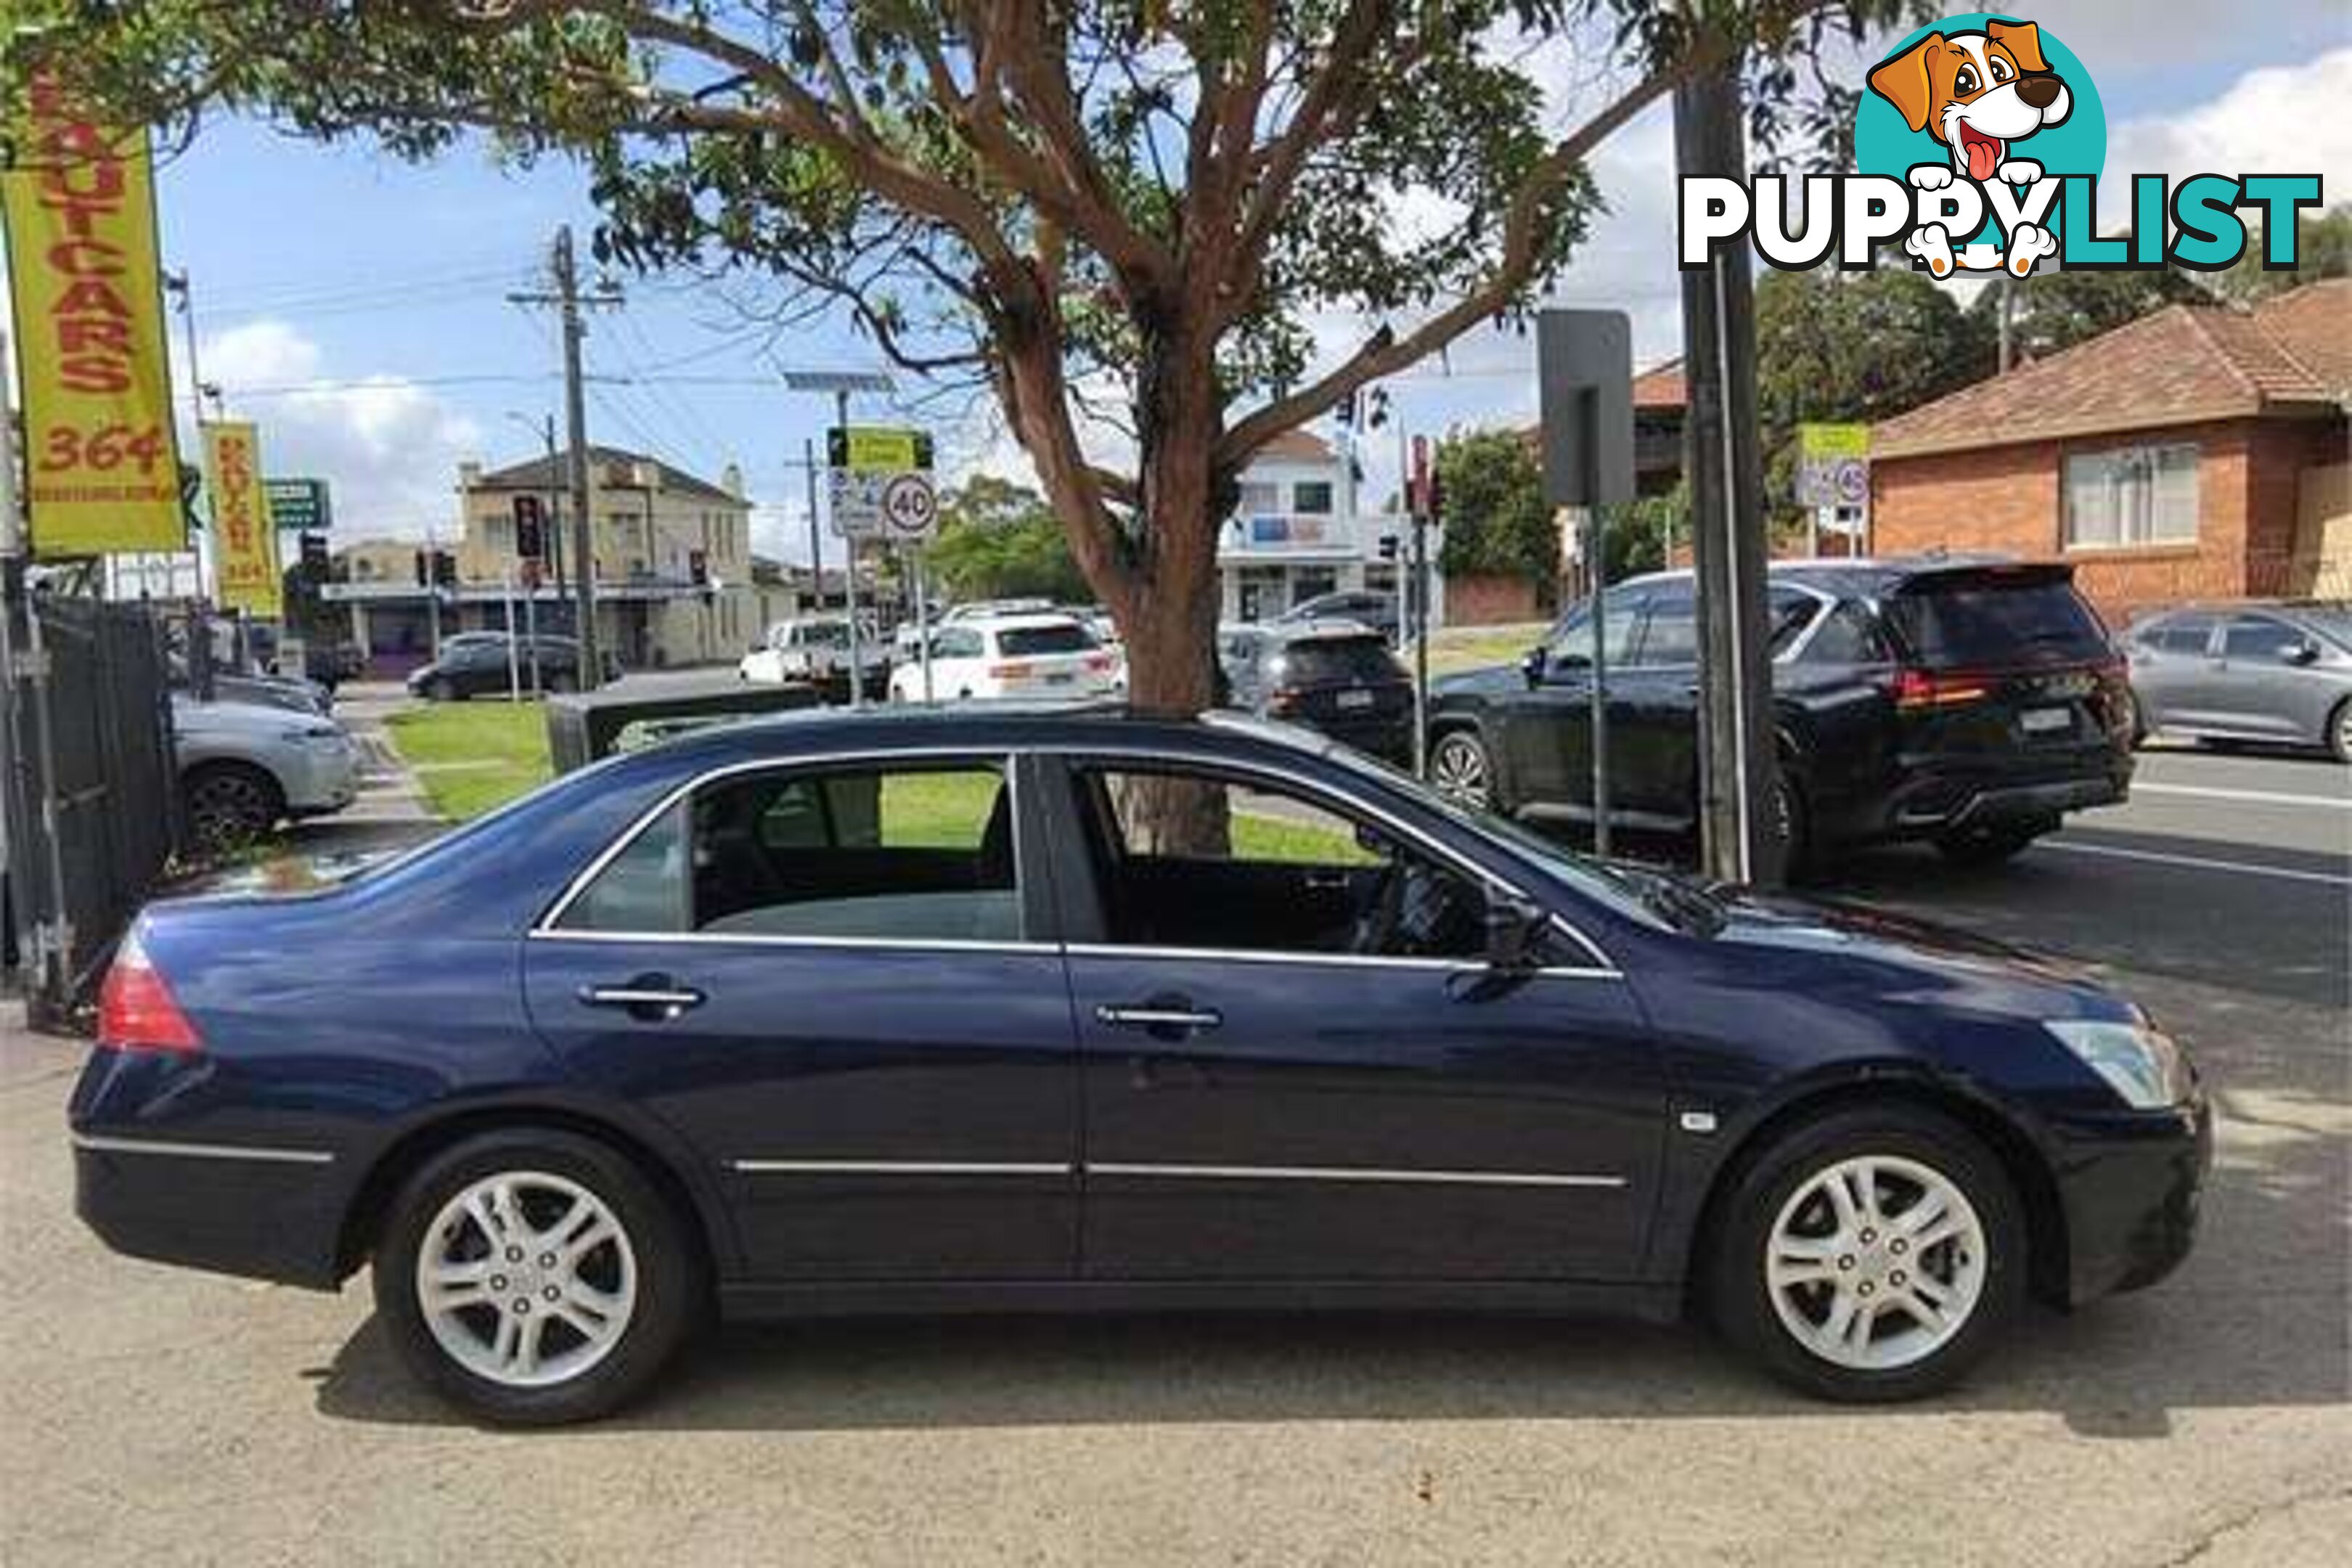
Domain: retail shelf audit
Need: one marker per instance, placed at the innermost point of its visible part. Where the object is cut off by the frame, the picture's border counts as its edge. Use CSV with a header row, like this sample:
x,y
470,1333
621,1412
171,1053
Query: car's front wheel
x,y
533,1277
2339,731
229,805
1872,1254
1460,771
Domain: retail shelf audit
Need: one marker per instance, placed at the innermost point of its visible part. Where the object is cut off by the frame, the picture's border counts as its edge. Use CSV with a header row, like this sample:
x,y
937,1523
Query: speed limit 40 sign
x,y
910,509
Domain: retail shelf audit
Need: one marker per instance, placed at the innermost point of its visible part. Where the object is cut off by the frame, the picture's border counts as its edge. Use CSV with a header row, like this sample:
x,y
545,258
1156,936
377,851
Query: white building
x,y
1298,531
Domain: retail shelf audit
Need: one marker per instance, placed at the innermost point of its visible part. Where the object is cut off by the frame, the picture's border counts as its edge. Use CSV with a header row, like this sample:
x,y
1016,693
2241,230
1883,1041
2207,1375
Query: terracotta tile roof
x,y
1296,447
1662,386
2179,365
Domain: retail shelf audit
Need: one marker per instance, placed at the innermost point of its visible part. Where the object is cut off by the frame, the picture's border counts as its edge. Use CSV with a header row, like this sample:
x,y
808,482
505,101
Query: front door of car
x,y
2259,690
1546,729
835,981
1298,1065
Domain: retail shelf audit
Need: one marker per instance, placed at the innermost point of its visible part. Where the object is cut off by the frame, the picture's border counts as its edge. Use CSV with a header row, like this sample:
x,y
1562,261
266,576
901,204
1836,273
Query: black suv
x,y
1966,702
1333,676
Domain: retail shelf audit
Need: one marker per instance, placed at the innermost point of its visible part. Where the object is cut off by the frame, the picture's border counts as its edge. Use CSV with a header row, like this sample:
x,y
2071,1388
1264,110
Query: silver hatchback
x,y
2274,672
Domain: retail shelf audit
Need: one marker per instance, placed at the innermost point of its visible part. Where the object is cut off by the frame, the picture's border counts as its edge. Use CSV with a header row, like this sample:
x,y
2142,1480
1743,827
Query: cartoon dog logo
x,y
1979,94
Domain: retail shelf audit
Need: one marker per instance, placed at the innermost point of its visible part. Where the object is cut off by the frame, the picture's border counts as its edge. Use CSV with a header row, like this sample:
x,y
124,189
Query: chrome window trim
x,y
751,939
1355,1173
999,757
100,1143
1322,959
1005,758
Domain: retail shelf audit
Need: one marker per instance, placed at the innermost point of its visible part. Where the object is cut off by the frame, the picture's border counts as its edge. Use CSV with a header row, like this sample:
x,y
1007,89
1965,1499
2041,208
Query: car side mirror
x,y
1533,664
1514,932
2302,653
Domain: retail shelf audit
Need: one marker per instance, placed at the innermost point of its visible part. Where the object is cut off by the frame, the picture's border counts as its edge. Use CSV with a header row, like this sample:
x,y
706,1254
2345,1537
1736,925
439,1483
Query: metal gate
x,y
87,775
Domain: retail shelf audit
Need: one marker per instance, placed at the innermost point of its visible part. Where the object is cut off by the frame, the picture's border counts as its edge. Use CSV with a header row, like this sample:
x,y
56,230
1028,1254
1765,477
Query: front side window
x,y
2260,639
1670,634
912,854
1193,861
1572,640
2132,495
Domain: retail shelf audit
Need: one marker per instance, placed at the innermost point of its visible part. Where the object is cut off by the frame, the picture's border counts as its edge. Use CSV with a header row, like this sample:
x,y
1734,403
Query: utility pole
x,y
567,299
817,530
1736,733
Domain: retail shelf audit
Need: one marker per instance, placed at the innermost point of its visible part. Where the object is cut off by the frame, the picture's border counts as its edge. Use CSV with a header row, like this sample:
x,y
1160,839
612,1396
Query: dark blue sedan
x,y
1012,1011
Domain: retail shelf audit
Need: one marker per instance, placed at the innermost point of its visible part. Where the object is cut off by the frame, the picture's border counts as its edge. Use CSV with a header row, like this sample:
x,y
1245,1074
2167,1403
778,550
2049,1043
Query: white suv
x,y
1012,656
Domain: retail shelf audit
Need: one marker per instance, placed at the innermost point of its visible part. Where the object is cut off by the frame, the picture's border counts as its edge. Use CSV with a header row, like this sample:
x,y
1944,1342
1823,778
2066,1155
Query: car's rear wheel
x,y
1990,845
534,1277
1872,1254
441,689
1460,771
1789,822
229,805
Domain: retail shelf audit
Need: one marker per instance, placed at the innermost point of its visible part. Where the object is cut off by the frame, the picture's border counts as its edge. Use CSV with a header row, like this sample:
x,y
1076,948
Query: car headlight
x,y
2139,1061
312,733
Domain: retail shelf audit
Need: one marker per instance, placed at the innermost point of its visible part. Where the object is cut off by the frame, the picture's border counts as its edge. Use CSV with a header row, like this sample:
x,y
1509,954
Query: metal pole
x,y
2003,313
531,628
11,547
1421,639
1596,576
575,412
922,627
849,548
554,506
514,653
816,531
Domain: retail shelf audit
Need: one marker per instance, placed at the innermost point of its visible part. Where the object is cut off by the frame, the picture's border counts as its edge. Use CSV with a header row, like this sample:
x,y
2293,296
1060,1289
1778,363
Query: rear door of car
x,y
1547,728
838,981
1274,1092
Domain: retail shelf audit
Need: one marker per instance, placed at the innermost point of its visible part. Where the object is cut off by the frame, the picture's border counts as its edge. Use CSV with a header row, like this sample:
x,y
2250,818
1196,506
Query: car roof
x,y
984,726
1332,629
1033,620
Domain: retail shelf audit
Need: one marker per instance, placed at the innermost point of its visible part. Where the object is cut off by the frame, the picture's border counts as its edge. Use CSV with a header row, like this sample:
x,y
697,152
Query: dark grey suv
x,y
2275,672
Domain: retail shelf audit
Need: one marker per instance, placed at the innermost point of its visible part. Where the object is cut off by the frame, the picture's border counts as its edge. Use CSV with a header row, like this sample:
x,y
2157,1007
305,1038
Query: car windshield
x,y
1981,621
2333,622
825,634
1021,641
1338,659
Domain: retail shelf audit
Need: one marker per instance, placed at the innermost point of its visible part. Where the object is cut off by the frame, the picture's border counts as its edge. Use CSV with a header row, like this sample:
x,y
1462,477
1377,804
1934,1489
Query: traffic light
x,y
445,569
1435,509
422,577
530,530
314,554
697,567
1388,547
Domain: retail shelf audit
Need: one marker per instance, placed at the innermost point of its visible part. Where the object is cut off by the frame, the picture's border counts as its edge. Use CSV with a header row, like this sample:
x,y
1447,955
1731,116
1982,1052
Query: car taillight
x,y
1929,688
1102,661
1284,699
136,1011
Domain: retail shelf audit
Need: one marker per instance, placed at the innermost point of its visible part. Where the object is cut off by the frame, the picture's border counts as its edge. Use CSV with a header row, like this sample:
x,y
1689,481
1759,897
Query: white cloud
x,y
2281,120
387,447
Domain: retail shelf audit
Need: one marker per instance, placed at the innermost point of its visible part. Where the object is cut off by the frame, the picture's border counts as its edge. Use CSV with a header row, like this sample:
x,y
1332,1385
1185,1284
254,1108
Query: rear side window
x,y
1977,622
1018,642
911,854
1850,635
1336,658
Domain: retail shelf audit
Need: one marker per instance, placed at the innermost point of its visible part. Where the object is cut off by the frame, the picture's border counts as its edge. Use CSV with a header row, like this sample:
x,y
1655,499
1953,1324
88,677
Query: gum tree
x,y
1138,208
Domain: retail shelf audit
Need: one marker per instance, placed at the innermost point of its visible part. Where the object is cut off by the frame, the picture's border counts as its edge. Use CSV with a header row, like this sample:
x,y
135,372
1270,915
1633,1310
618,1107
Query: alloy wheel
x,y
1457,769
1875,1262
229,807
527,1278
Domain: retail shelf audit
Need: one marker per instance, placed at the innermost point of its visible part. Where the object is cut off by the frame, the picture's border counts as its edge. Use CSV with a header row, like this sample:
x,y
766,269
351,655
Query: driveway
x,y
150,1416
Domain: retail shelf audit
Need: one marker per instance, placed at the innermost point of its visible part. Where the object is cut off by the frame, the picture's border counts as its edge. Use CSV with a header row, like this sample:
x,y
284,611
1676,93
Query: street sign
x,y
877,450
1833,465
299,504
1584,379
910,509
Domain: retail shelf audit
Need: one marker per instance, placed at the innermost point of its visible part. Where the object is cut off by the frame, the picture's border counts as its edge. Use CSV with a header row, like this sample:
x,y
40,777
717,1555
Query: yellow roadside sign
x,y
877,450
1832,442
102,467
244,541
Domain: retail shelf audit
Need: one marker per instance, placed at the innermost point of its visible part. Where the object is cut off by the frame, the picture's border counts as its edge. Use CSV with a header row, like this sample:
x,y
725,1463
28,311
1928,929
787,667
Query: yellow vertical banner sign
x,y
102,467
244,541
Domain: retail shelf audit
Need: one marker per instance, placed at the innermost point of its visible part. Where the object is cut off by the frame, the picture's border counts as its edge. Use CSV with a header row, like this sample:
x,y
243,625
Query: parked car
x,y
917,1012
815,649
1968,704
2275,672
472,664
1041,654
1335,676
244,767
266,691
1378,611
908,641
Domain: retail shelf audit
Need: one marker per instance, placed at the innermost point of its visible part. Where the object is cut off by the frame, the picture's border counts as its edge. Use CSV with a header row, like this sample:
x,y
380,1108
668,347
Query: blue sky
x,y
386,281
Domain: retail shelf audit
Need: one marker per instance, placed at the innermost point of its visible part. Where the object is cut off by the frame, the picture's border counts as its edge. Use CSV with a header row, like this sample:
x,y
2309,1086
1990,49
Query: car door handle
x,y
1156,1017
644,997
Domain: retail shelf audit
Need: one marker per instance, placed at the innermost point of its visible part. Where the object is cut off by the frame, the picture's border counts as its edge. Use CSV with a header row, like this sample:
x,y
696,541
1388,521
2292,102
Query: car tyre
x,y
641,1289
2339,731
563,682
1461,770
1989,846
1788,818
1789,1263
441,689
229,805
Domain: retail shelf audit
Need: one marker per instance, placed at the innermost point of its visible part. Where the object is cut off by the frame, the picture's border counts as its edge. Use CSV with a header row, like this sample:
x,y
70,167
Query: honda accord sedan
x,y
953,1010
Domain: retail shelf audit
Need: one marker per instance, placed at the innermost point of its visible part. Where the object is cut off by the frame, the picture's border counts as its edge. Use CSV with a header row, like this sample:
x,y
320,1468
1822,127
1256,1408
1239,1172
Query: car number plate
x,y
1355,699
1059,677
2044,720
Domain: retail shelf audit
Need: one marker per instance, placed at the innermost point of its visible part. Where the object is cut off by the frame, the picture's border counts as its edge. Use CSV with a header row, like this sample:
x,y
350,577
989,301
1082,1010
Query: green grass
x,y
1475,648
470,757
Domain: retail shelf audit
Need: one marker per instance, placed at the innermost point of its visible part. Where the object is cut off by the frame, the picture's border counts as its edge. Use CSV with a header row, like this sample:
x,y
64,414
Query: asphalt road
x,y
152,1417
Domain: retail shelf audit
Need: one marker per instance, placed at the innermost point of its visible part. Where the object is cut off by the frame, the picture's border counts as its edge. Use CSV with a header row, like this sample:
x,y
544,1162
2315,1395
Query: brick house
x,y
2197,453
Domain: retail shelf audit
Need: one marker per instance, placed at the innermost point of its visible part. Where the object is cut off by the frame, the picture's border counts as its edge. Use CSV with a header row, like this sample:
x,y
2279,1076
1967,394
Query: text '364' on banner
x,y
102,468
